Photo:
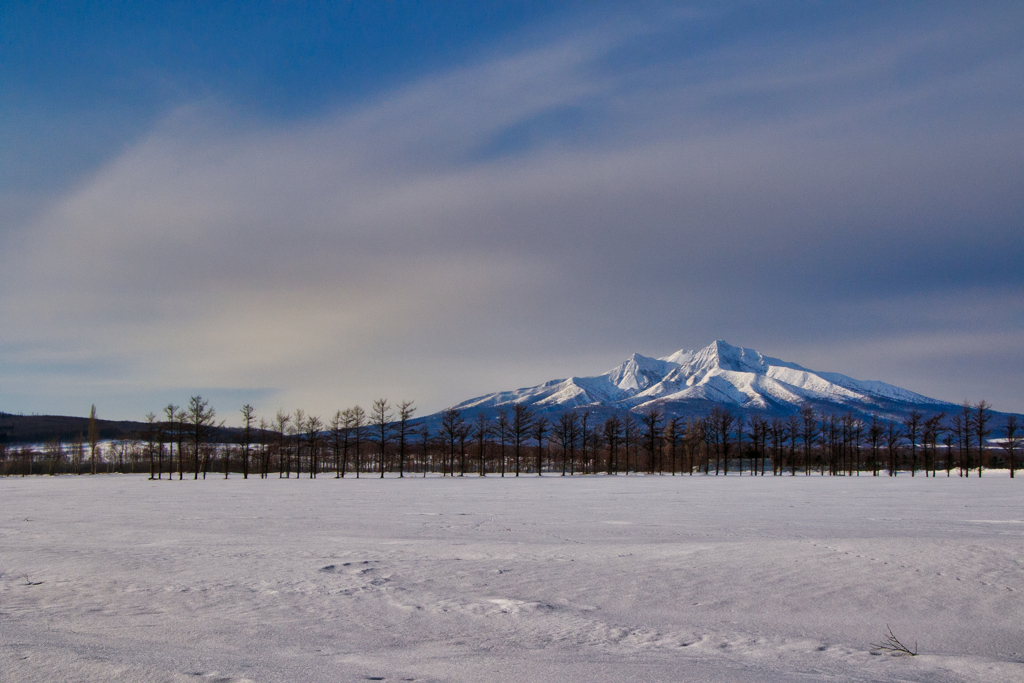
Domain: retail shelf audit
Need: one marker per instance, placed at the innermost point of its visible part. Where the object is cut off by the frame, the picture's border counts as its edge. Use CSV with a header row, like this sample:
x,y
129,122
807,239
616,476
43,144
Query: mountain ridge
x,y
691,381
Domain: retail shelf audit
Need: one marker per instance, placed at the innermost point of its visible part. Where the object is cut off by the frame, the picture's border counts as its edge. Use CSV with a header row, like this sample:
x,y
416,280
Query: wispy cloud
x,y
531,215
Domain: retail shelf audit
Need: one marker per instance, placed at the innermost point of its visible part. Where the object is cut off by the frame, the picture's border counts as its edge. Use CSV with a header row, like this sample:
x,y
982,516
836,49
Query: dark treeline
x,y
20,429
187,442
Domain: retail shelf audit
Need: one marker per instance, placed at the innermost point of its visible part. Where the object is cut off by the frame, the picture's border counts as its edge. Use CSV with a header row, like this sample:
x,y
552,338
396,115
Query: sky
x,y
315,205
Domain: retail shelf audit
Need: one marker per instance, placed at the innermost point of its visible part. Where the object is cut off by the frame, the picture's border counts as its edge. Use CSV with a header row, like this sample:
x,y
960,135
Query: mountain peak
x,y
638,372
722,356
686,382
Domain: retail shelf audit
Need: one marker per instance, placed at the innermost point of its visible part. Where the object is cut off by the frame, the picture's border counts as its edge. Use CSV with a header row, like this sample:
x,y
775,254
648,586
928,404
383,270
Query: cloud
x,y
537,214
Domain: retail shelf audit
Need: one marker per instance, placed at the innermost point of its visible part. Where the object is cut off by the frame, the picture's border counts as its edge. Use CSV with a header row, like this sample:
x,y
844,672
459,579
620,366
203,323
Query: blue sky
x,y
316,204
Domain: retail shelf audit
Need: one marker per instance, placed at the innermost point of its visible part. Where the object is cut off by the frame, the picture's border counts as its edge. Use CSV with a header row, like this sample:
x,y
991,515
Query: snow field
x,y
555,579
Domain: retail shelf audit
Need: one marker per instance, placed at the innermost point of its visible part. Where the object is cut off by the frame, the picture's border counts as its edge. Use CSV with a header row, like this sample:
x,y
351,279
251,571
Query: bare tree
x,y
179,441
347,437
451,428
758,437
380,420
135,451
599,446
77,451
612,434
962,423
629,427
281,422
298,429
893,437
540,430
651,420
875,433
739,431
26,456
765,434
425,444
725,424
912,424
809,435
931,429
337,434
948,443
167,433
522,420
566,433
830,441
264,432
709,438
846,447
692,442
574,440
481,432
465,430
94,439
199,418
713,438
226,452
314,442
584,439
1012,442
248,422
54,452
502,429
982,415
674,432
764,446
114,447
358,431
719,422
793,431
402,431
150,434
857,428
777,429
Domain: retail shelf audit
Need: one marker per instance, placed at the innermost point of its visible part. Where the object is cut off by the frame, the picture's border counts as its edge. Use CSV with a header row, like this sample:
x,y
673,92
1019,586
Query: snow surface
x,y
555,579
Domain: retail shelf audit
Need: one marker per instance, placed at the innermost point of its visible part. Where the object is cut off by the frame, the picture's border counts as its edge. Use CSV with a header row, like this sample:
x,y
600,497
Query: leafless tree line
x,y
180,443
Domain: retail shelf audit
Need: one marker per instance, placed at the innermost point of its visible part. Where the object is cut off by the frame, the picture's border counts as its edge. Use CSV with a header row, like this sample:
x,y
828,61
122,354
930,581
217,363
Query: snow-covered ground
x,y
582,579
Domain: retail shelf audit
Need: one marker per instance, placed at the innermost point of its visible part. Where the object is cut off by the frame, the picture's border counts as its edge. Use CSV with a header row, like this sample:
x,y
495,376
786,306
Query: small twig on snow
x,y
892,644
30,582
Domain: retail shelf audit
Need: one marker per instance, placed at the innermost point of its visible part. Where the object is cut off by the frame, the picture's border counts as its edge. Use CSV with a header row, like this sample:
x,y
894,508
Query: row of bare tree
x,y
185,442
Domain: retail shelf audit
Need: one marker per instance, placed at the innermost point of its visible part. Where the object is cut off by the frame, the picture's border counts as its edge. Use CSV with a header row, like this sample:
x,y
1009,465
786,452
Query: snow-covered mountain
x,y
688,382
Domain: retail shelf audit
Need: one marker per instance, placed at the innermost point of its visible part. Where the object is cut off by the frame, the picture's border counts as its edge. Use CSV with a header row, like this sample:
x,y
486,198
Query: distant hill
x,y
38,428
16,429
